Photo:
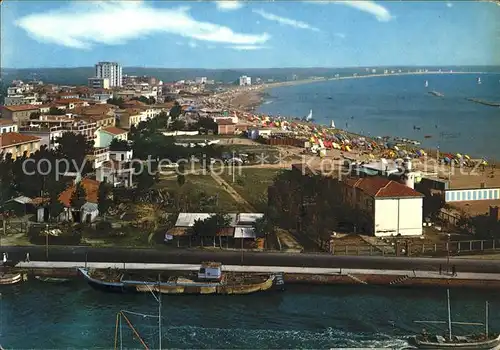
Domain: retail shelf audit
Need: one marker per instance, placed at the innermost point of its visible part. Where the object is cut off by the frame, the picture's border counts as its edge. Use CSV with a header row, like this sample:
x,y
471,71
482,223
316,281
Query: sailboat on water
x,y
309,117
479,81
427,83
478,341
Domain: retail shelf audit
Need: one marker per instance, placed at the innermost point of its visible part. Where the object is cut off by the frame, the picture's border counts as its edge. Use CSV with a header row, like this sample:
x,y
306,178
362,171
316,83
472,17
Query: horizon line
x,y
291,67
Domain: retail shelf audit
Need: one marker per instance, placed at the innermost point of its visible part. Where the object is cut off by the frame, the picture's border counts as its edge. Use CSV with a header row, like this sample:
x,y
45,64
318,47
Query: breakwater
x,y
483,102
293,275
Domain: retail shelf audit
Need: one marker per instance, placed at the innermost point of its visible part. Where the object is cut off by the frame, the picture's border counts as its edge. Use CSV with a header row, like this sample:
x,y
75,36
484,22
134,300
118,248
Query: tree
x,y
175,111
145,180
56,111
75,148
77,200
116,102
103,198
119,145
207,124
211,225
55,206
34,115
177,124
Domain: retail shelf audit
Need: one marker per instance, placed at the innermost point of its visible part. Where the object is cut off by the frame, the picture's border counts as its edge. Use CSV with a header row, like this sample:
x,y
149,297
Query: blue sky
x,y
232,34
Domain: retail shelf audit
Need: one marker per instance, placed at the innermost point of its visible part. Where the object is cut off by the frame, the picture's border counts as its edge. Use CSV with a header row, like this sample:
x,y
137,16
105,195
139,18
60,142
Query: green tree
x,y
77,200
103,198
75,148
55,207
119,145
178,124
211,225
206,124
175,111
116,102
56,111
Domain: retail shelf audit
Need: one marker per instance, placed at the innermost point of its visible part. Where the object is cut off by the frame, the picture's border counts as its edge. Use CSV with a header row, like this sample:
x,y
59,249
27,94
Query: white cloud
x,y
228,5
193,44
84,24
340,35
285,21
449,4
248,47
379,11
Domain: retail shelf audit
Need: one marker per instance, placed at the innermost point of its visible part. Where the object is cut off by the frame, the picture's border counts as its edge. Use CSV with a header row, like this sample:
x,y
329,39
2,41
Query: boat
x,y
428,136
208,280
52,279
10,278
309,117
479,81
483,341
332,124
436,93
426,83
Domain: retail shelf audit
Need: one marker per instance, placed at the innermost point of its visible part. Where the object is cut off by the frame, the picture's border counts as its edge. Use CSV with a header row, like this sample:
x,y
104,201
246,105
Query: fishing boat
x,y
483,341
208,280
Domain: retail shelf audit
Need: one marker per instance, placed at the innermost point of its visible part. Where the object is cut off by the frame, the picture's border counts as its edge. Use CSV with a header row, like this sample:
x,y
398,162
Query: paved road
x,y
175,256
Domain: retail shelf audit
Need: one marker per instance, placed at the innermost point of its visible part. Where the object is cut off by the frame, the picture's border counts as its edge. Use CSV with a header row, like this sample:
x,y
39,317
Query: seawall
x,y
293,275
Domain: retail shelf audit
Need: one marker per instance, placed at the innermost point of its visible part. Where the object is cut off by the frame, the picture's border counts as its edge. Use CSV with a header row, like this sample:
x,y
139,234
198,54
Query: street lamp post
x,y
47,242
448,254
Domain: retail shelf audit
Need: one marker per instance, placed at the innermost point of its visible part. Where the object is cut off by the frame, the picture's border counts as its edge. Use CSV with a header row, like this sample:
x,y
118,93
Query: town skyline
x,y
211,35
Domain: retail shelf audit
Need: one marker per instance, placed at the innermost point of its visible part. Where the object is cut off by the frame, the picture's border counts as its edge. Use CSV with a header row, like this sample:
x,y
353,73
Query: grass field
x,y
252,185
199,186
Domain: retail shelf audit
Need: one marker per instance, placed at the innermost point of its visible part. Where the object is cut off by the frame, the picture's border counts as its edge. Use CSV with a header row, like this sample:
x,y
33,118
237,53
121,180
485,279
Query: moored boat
x,y
52,279
478,341
10,278
209,280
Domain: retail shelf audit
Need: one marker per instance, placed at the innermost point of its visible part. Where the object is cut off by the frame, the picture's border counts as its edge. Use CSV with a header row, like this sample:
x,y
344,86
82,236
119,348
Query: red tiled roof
x,y
382,188
69,100
15,138
20,108
91,189
114,130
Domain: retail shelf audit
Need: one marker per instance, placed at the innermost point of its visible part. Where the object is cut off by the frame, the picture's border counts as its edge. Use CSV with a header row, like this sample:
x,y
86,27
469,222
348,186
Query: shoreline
x,y
250,100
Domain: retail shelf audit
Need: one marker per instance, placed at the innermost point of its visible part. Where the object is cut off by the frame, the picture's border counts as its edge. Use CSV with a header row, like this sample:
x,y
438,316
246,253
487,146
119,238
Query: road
x,y
178,256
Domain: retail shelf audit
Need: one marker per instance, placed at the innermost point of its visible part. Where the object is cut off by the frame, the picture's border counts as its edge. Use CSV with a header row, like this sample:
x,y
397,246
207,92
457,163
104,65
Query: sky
x,y
242,34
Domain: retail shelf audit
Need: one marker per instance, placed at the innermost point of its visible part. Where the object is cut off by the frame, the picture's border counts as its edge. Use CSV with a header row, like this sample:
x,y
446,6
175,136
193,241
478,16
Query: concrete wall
x,y
472,194
408,211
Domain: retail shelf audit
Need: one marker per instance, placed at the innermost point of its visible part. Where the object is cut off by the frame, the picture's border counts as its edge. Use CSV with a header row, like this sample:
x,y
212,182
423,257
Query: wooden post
x,y
371,250
482,245
470,246
435,247
346,250
423,248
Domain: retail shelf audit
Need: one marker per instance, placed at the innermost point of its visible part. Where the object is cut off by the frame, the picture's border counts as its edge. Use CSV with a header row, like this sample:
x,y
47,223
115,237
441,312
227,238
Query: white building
x,y
385,207
8,126
244,80
110,70
99,83
200,80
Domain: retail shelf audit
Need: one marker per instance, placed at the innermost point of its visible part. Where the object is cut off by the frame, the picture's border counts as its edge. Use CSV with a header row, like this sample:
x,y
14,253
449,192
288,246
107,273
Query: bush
x,y
103,228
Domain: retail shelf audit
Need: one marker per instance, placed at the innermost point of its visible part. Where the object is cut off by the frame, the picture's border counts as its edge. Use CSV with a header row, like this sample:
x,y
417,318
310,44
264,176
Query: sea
x,y
41,315
401,106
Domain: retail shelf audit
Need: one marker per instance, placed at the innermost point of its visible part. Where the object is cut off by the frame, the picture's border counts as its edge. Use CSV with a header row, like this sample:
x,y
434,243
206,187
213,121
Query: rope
x,y
135,332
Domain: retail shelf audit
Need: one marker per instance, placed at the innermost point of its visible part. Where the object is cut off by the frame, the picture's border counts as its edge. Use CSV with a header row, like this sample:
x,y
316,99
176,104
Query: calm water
x,y
38,315
393,105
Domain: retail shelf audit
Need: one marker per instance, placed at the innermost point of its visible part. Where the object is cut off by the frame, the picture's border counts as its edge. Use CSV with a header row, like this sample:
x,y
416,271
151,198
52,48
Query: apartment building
x,y
99,83
17,144
111,71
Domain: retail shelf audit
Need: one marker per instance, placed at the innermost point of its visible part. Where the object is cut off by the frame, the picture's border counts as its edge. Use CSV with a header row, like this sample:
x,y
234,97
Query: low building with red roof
x,y
385,207
89,211
19,113
226,126
104,136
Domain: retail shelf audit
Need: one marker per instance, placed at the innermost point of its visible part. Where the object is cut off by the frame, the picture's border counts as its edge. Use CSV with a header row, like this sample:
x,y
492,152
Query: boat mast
x,y
486,323
159,313
449,312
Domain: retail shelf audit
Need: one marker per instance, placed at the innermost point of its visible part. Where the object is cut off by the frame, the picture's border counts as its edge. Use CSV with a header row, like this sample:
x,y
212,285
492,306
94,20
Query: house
x,y
226,127
384,207
89,211
17,144
104,136
122,155
19,113
98,156
7,126
129,117
116,173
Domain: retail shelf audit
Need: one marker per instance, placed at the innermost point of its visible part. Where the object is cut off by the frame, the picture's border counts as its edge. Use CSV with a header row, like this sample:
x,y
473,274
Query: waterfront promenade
x,y
246,258
262,269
